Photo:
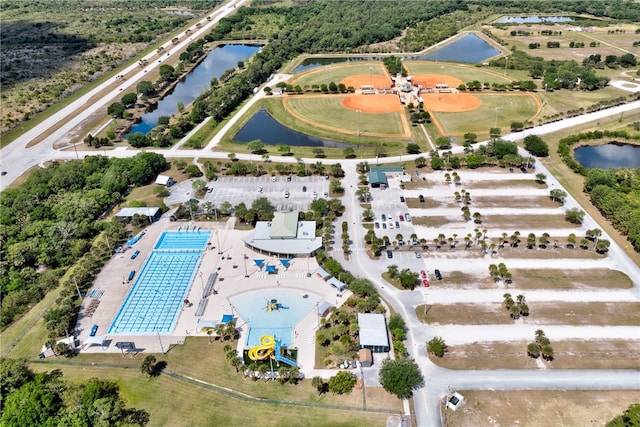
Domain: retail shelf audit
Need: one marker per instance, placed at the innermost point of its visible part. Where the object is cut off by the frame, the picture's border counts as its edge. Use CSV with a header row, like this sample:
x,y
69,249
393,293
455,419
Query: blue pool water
x,y
252,307
156,298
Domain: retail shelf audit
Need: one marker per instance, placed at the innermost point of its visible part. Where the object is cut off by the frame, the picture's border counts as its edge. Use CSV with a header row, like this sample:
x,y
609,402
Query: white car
x,y
259,189
315,194
274,179
391,226
286,194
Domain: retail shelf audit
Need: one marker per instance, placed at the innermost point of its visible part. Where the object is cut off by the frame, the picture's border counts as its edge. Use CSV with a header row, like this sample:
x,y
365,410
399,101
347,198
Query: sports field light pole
x,y
358,122
160,341
505,65
245,265
202,283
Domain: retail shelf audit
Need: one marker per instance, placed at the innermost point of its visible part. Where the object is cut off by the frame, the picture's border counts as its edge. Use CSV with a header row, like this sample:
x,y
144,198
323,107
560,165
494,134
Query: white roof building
x,y
284,235
373,332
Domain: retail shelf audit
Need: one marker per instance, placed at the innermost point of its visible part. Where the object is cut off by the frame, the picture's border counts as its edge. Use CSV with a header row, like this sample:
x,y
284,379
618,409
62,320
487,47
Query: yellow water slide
x,y
265,350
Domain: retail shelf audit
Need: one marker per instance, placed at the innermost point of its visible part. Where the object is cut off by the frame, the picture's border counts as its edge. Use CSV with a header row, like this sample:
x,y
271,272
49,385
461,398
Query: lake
x,y
468,49
271,132
310,63
532,19
197,81
608,156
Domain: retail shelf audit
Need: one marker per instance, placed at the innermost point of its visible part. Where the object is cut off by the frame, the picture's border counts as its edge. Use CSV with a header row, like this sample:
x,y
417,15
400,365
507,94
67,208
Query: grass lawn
x,y
534,408
431,221
173,402
328,112
509,106
464,314
337,72
429,203
570,354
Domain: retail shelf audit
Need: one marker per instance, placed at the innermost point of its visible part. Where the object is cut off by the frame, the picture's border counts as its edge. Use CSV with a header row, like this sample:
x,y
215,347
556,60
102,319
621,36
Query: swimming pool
x,y
156,298
252,307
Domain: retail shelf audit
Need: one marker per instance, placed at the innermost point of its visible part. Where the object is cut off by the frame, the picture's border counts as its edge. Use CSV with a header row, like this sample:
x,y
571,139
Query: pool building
x,y
284,236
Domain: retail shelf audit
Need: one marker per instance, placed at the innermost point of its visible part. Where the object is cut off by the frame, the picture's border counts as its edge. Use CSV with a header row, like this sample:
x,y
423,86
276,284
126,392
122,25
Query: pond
x,y
271,132
468,49
608,156
193,84
532,19
310,63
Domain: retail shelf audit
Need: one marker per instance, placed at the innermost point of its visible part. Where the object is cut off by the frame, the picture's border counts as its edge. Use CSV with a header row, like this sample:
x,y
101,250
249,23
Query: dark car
x,y
288,178
384,217
438,275
389,254
397,224
304,188
401,199
421,198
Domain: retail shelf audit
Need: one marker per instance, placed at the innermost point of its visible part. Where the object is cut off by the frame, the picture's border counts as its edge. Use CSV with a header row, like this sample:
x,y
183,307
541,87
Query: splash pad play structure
x,y
270,347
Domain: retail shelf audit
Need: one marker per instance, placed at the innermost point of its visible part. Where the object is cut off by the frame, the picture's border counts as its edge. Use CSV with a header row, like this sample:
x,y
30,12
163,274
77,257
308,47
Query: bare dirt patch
x,y
450,102
429,203
431,80
570,354
515,202
377,81
372,103
540,408
431,221
465,314
596,278
542,222
550,252
512,183
541,313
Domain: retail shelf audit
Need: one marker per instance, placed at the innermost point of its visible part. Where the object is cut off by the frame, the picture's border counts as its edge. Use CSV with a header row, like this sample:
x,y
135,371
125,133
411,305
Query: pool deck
x,y
112,286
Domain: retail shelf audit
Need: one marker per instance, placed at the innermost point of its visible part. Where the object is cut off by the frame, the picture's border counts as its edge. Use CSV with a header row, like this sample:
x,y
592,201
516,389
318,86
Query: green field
x,y
328,111
337,72
510,107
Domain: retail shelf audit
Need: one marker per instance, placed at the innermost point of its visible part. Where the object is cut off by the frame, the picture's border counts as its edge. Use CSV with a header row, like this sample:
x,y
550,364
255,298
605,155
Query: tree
x,y
437,346
602,246
342,382
536,146
421,162
166,72
129,99
319,384
148,365
443,142
470,137
413,148
629,418
494,133
408,279
541,178
533,350
574,216
558,195
145,88
349,153
400,377
116,110
256,146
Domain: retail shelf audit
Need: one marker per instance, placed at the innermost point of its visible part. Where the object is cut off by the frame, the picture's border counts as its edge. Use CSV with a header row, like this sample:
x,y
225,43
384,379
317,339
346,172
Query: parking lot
x,y
301,190
388,202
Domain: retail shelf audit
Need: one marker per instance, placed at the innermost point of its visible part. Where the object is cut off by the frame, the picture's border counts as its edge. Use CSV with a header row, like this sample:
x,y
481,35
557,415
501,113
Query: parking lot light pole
x,y
425,295
218,240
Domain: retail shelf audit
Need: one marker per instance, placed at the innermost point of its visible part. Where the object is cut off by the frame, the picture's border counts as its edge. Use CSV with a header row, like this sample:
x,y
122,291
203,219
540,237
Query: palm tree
x,y
515,312
543,241
493,246
531,240
451,242
392,270
466,212
571,240
520,299
539,333
514,240
457,196
504,239
367,214
318,383
467,241
533,350
236,362
584,243
477,218
524,309
508,300
547,352
493,270
441,238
